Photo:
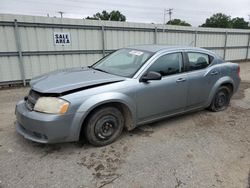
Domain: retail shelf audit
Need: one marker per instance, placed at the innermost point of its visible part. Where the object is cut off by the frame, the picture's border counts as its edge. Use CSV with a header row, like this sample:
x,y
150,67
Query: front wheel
x,y
104,126
221,99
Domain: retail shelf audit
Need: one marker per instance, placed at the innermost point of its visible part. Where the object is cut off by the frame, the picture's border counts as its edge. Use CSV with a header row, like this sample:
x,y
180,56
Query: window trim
x,y
188,63
169,53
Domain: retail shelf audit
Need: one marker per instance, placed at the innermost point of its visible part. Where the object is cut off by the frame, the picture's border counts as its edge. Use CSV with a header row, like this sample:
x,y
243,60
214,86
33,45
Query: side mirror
x,y
151,75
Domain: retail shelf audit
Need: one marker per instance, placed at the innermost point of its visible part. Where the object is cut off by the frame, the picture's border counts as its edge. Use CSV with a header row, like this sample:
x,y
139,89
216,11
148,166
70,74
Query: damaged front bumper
x,y
41,127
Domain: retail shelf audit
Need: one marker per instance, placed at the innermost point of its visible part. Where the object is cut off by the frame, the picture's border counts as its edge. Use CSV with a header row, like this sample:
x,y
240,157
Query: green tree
x,y
239,23
178,22
218,20
114,15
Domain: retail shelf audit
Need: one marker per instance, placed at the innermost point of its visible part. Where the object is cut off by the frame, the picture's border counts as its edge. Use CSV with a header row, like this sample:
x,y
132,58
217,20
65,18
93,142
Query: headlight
x,y
51,105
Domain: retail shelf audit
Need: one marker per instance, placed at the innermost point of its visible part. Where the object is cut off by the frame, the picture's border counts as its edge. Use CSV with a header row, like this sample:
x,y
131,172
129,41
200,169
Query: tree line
x,y
218,20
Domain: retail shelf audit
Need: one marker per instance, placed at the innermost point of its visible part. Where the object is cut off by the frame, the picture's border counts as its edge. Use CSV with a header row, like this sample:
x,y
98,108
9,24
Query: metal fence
x,y
28,49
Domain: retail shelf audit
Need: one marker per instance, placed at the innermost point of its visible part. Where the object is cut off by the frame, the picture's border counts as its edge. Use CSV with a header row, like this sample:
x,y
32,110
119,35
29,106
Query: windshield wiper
x,y
97,69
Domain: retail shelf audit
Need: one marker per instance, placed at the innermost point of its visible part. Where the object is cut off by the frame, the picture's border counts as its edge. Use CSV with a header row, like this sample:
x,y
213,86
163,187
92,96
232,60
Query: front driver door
x,y
159,98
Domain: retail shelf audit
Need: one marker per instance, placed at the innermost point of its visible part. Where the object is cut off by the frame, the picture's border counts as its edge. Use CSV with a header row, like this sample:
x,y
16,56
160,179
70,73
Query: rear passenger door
x,y
201,78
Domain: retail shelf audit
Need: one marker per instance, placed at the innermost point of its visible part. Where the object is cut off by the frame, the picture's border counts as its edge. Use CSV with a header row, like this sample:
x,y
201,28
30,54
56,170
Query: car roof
x,y
157,48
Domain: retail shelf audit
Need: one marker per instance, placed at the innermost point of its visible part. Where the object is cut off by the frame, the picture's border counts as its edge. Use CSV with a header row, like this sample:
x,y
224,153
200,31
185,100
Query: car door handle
x,y
181,80
214,73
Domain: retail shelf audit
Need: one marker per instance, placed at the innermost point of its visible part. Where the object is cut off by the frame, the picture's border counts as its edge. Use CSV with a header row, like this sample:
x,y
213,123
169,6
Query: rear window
x,y
198,60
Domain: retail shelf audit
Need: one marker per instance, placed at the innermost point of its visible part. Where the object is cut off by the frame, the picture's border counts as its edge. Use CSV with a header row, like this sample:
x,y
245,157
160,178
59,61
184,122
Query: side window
x,y
197,60
168,64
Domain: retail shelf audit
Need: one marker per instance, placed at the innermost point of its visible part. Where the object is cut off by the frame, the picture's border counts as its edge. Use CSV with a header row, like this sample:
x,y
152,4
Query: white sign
x,y
61,38
135,52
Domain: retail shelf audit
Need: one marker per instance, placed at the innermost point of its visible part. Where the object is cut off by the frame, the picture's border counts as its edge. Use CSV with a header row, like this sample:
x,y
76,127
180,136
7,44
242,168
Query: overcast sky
x,y
192,11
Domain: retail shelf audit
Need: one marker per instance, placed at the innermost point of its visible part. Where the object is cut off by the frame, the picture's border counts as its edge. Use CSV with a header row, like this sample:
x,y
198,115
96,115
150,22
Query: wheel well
x,y
128,120
228,85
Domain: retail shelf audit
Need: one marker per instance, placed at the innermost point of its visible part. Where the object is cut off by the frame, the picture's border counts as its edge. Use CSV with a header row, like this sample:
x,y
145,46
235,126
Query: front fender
x,y
104,98
96,100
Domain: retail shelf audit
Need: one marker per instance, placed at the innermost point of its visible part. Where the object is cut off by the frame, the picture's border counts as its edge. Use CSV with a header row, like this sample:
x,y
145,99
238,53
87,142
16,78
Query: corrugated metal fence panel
x,y
9,69
219,52
235,54
174,35
7,39
237,40
41,55
37,65
210,40
170,38
41,39
119,39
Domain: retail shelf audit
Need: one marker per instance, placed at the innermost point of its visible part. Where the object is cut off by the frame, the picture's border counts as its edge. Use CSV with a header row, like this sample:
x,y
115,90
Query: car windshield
x,y
123,62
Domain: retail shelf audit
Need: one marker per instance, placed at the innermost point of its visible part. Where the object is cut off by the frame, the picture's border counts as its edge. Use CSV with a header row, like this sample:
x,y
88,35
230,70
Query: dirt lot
x,y
201,149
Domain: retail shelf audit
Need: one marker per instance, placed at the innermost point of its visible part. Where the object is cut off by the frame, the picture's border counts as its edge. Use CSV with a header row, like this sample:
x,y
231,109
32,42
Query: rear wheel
x,y
221,99
104,126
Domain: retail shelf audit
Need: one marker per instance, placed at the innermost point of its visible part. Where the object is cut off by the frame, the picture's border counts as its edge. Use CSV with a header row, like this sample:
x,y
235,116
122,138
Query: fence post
x,y
195,38
225,46
103,41
248,43
155,36
20,55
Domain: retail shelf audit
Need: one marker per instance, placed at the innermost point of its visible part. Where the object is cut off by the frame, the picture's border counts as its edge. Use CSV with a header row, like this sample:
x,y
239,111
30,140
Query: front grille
x,y
31,99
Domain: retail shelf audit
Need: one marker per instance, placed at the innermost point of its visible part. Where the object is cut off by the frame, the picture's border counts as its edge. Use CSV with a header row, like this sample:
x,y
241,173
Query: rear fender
x,y
221,81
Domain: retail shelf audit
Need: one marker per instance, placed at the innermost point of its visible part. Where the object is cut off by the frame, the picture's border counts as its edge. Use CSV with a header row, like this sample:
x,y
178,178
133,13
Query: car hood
x,y
72,79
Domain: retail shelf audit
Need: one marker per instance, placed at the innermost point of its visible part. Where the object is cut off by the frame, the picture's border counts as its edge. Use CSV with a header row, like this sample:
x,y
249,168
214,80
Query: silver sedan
x,y
129,87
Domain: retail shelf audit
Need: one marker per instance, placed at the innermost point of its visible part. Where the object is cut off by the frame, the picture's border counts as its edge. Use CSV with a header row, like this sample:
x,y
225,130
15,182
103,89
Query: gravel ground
x,y
201,149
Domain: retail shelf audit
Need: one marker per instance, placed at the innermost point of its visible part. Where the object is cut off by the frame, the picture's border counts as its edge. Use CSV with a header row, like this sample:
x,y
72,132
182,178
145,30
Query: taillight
x,y
238,71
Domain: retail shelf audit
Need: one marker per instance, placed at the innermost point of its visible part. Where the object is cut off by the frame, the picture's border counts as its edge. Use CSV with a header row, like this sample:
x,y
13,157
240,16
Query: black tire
x,y
104,126
221,99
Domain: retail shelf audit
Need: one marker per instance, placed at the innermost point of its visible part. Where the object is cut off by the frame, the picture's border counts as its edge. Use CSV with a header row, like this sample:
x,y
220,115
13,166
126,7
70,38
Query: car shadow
x,y
145,130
